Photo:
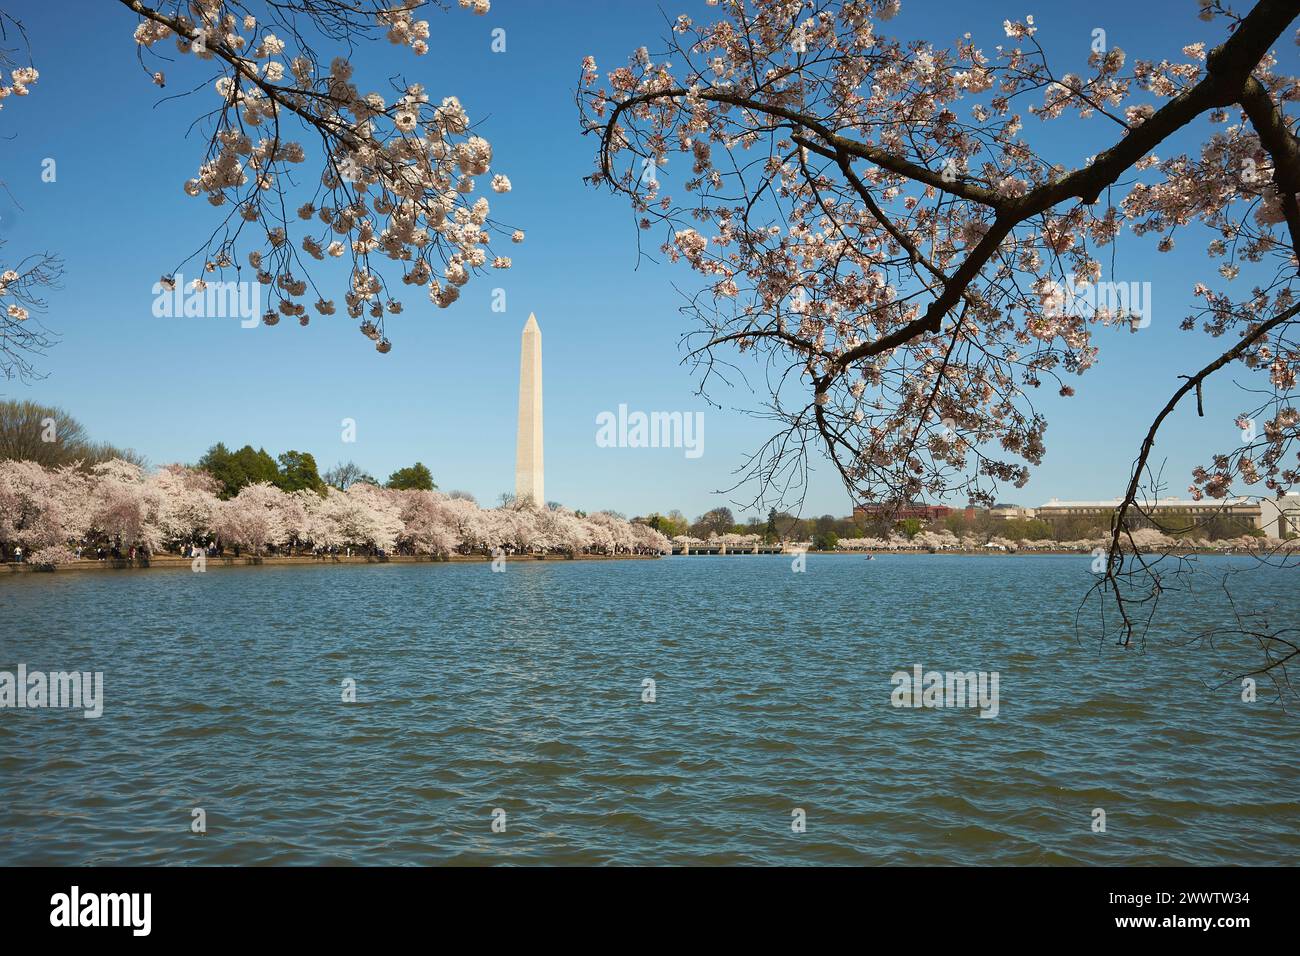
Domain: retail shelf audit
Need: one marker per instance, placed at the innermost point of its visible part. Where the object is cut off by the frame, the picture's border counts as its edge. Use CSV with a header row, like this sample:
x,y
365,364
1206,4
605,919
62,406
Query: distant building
x,y
898,512
1002,512
1280,517
1245,509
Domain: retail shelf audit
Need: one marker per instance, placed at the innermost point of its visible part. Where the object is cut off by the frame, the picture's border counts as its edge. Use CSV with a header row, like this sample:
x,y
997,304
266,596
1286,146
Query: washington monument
x,y
528,453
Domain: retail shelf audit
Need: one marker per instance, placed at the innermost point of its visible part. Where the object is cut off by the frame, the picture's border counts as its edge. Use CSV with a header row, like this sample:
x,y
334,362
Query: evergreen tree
x,y
416,477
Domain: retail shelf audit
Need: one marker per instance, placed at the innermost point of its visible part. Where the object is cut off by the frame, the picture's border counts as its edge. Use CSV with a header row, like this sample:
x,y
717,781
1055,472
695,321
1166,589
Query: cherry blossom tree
x,y
117,504
374,516
125,507
23,283
428,525
22,289
877,229
467,523
392,174
392,196
609,533
319,528
511,527
254,518
41,510
189,503
564,531
646,540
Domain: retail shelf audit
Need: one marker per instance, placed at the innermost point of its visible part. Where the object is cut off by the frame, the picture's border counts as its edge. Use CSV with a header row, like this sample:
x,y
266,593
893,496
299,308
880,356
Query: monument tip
x,y
531,323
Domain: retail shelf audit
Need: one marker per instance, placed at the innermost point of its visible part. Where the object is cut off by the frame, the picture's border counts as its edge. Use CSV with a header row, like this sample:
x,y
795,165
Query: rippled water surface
x,y
523,691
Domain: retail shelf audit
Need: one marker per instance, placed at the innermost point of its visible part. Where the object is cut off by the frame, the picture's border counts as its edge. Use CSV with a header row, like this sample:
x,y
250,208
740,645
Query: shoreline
x,y
176,562
1025,552
1031,552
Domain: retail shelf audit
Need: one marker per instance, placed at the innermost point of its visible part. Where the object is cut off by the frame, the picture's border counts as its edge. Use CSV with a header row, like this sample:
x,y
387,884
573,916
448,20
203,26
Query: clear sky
x,y
446,395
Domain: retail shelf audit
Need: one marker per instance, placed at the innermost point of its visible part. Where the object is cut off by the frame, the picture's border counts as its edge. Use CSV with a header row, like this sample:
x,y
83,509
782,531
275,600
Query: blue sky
x,y
446,395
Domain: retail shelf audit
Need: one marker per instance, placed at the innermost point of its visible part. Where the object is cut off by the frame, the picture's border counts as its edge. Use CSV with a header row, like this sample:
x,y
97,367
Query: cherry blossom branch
x,y
1228,69
398,191
975,210
1119,526
880,157
1283,147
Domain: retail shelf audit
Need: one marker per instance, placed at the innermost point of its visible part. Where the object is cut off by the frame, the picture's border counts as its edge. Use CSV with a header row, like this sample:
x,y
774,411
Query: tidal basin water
x,y
522,691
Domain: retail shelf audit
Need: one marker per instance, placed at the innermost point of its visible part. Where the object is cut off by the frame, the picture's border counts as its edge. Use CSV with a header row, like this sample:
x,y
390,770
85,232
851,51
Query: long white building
x,y
1247,509
1280,517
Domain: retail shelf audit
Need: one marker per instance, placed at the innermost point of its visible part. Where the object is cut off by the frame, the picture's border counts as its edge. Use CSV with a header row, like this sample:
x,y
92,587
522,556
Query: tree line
x,y
53,438
297,471
826,531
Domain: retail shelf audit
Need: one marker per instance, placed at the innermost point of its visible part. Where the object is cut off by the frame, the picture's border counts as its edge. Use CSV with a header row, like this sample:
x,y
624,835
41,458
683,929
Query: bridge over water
x,y
735,549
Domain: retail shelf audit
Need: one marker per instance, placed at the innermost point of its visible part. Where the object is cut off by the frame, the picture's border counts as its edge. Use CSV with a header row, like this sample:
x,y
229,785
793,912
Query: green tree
x,y
718,521
770,534
825,541
673,523
1022,529
51,437
235,470
665,524
298,473
910,527
417,477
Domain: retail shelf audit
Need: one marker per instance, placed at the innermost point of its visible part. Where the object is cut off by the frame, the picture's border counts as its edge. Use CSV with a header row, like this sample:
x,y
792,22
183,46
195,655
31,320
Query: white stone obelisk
x,y
528,453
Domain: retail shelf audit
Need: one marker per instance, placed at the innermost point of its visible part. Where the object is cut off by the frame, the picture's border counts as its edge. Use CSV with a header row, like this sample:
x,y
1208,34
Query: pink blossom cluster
x,y
51,512
19,81
870,215
398,171
15,298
